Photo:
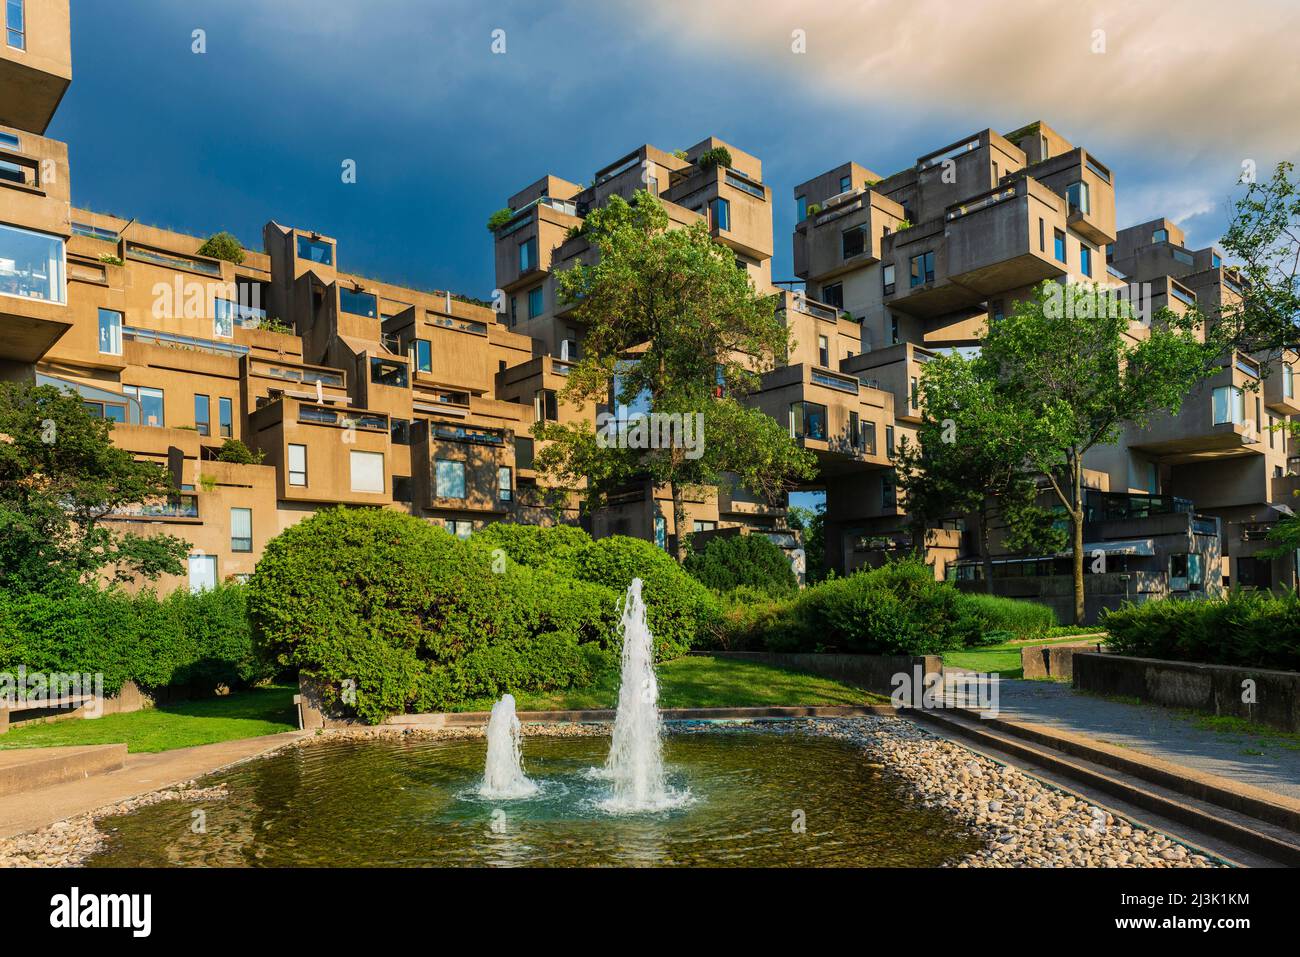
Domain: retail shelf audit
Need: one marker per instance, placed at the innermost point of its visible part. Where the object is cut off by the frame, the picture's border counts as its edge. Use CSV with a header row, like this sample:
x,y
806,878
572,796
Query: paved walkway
x,y
1265,761
31,810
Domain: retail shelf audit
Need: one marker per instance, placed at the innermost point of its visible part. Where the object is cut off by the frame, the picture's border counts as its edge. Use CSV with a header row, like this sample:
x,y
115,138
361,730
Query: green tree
x,y
811,524
233,450
1264,238
670,320
223,246
1074,360
971,457
60,477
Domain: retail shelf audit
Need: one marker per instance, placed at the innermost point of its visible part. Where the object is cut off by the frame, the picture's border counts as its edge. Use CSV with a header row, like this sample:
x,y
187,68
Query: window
x,y
1288,381
358,303
1229,405
914,393
923,268
1272,424
536,302
1160,236
888,496
449,478
887,274
241,529
151,403
203,573
1085,259
845,183
110,332
889,441
1215,261
514,309
461,528
855,430
388,372
16,24
223,319
998,309
1042,235
868,438
315,250
32,265
1059,240
720,211
833,295
298,465
702,526
1254,572
893,330
226,417
808,421
853,242
422,355
823,352
203,414
113,411
800,208
661,532
505,483
367,471
545,406
9,139
399,431
1076,194
528,255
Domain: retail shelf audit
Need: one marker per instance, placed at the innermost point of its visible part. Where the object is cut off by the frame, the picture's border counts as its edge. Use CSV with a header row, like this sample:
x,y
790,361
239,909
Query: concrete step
x,y
26,769
1272,841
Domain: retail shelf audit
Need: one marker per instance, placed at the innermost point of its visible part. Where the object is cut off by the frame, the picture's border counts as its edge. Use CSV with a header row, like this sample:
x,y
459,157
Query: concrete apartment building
x,y
359,392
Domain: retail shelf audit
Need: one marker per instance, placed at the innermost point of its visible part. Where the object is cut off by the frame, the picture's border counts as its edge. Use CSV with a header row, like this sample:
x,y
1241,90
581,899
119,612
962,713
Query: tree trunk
x,y
986,552
679,522
1076,530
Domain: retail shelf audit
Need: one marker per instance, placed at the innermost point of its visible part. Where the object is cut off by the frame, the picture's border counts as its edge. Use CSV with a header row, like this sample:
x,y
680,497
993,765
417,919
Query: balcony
x,y
1280,385
738,208
1089,189
844,236
180,508
1217,420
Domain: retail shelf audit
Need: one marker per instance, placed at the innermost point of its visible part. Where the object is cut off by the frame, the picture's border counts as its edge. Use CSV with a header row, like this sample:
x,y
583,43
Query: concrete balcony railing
x,y
846,235
1091,206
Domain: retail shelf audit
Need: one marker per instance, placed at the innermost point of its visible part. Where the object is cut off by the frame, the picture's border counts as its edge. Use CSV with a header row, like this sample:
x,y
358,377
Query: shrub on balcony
x,y
223,246
1251,629
749,561
233,450
499,218
718,156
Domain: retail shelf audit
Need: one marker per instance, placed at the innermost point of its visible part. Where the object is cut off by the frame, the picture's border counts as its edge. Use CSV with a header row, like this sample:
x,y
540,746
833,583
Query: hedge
x,y
1012,617
186,642
1253,629
743,561
418,620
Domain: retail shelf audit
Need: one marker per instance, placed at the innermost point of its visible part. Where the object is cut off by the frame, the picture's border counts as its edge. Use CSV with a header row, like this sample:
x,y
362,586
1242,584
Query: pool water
x,y
754,799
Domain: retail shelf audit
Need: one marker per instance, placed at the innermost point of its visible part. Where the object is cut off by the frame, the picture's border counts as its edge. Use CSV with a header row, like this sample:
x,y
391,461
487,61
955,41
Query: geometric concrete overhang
x,y
26,338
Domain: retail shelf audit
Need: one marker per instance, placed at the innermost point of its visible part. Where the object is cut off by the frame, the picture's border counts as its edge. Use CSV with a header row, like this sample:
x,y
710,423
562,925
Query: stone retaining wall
x,y
1210,689
1052,661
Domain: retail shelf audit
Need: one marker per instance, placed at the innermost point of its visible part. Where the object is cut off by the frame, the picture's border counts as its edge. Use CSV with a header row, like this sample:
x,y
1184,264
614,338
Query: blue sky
x,y
443,130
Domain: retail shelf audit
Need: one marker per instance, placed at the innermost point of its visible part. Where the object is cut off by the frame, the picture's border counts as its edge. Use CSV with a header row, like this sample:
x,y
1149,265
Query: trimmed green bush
x,y
1253,629
418,620
188,643
748,561
534,545
223,245
1022,619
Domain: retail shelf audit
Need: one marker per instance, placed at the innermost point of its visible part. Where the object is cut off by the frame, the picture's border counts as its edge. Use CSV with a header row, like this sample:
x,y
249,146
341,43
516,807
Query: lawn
x,y
1003,659
245,714
699,681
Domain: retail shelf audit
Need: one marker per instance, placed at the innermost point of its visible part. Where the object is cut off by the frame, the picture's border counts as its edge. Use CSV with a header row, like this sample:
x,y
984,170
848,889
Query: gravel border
x,y
1022,821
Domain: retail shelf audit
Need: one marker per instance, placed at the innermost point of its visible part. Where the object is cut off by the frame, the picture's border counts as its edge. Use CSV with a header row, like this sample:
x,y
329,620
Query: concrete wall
x,y
1211,689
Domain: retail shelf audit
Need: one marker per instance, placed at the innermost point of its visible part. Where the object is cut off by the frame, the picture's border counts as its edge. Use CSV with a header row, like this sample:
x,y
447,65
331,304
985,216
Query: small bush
x,y
1252,629
736,561
233,450
1022,619
718,156
223,246
499,218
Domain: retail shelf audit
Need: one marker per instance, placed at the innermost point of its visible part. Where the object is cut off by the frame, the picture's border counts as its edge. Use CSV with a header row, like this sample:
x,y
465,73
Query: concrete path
x,y
142,773
1269,762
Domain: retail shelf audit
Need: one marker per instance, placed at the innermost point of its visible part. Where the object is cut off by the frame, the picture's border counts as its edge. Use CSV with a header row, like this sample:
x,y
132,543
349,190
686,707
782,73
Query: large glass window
x,y
1229,405
203,414
422,352
1059,238
721,211
151,403
15,24
388,372
223,319
315,250
298,465
32,265
833,295
545,406
358,303
505,483
922,268
226,413
1288,381
1160,236
110,332
203,573
449,478
800,208
853,242
823,352
888,494
887,276
808,420
241,529
536,303
1076,194
367,471
1085,260
528,255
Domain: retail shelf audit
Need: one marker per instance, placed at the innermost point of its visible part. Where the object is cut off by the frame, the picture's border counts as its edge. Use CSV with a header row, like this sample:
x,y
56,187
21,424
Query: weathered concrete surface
x,y
142,773
1211,689
1052,661
25,769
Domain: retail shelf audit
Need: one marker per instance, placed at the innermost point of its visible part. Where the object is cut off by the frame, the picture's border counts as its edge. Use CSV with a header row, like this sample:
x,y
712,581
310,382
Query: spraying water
x,y
504,777
635,767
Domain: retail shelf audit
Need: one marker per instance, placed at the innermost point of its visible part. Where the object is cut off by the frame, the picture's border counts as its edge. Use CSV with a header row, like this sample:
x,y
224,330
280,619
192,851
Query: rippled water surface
x,y
415,803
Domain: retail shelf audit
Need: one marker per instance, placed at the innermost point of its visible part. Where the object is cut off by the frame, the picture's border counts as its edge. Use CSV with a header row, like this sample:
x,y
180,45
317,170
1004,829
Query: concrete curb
x,y
26,769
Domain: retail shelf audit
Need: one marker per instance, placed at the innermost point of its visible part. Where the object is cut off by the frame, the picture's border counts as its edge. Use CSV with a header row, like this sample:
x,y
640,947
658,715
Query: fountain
x,y
635,767
503,777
